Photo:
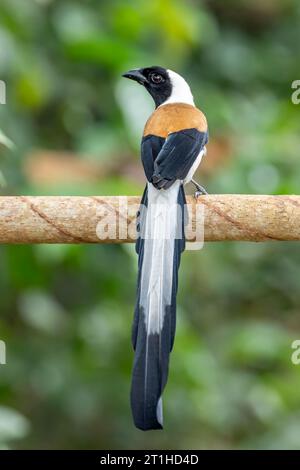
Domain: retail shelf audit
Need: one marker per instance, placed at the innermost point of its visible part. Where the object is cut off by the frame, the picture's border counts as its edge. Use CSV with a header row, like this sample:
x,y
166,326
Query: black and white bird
x,y
172,147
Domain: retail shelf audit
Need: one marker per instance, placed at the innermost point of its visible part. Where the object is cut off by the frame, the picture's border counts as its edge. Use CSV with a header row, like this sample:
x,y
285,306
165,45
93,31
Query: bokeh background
x,y
72,126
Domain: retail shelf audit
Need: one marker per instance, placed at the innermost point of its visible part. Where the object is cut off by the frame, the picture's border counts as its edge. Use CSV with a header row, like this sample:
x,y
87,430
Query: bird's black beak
x,y
135,75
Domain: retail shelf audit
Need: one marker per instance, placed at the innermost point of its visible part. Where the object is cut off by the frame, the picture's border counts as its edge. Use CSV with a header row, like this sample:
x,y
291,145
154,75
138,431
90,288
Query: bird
x,y
173,144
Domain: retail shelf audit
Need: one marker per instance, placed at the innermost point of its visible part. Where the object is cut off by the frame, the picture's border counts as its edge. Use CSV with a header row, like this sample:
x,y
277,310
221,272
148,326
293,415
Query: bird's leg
x,y
199,189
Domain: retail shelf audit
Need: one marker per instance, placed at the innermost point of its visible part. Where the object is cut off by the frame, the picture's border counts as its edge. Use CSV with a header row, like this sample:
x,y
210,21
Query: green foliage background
x,y
66,311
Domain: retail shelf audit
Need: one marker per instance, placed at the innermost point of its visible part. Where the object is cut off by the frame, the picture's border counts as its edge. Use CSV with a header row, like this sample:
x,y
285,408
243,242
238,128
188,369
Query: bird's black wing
x,y
175,157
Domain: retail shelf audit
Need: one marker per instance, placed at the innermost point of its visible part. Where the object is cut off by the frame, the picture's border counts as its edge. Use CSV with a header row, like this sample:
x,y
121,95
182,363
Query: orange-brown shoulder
x,y
175,117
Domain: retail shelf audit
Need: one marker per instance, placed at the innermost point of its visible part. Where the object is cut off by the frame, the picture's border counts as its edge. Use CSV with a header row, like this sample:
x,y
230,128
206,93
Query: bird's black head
x,y
155,79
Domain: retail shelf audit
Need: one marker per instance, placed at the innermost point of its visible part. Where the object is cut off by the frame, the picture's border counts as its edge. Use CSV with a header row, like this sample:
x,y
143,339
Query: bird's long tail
x,y
159,247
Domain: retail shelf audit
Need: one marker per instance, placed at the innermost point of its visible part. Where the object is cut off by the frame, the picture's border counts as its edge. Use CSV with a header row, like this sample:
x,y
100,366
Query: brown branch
x,y
25,219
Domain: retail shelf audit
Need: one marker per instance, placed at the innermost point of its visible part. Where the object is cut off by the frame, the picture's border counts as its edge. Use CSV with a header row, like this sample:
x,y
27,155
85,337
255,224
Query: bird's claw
x,y
200,191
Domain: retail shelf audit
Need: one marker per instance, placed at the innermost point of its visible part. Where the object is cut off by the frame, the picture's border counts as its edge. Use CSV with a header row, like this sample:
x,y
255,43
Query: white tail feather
x,y
160,233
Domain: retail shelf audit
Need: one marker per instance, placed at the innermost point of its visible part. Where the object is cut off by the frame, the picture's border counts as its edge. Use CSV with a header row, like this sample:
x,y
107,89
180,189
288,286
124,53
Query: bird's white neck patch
x,y
181,92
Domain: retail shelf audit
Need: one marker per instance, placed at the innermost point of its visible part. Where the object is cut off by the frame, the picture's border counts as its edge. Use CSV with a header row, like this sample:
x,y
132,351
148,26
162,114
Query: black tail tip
x,y
148,426
149,416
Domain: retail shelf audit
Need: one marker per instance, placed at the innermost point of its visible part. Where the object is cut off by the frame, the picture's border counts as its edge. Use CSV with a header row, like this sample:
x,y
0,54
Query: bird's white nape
x,y
181,92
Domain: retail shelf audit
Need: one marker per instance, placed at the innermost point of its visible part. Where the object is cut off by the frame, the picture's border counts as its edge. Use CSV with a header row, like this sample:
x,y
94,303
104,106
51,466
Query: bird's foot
x,y
200,191
198,194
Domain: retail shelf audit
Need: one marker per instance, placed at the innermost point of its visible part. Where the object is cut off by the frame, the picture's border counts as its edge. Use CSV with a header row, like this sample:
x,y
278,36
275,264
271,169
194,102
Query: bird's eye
x,y
156,78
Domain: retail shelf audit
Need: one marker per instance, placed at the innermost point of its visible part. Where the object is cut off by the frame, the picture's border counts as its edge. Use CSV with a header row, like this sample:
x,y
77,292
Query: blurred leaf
x,y
12,425
41,311
4,140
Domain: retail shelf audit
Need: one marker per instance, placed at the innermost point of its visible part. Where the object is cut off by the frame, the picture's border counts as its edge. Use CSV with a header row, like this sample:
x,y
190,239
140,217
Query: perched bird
x,y
172,147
